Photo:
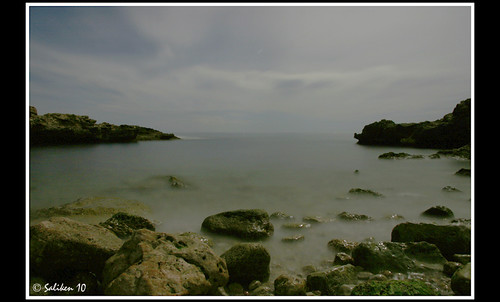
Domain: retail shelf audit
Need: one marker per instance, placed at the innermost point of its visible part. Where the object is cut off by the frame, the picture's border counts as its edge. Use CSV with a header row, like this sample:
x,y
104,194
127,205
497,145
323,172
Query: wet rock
x,y
293,225
342,245
247,224
463,172
342,259
152,263
401,155
462,152
450,239
176,182
393,288
247,262
315,219
451,267
92,206
395,256
366,192
353,217
450,189
294,238
460,281
438,212
281,215
123,224
61,245
287,285
329,281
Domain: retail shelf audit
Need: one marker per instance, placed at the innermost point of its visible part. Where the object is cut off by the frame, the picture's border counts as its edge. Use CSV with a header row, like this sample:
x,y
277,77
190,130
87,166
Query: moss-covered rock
x,y
413,287
248,224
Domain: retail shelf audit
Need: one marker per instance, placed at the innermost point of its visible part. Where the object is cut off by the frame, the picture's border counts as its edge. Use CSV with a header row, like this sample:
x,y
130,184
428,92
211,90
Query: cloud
x,y
250,68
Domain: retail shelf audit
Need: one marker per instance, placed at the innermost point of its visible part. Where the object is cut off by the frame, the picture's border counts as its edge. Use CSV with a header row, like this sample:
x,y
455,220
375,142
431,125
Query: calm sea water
x,y
299,174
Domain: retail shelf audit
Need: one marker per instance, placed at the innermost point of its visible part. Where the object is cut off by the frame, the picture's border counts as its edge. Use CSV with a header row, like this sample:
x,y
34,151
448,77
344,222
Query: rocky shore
x,y
451,131
60,128
125,255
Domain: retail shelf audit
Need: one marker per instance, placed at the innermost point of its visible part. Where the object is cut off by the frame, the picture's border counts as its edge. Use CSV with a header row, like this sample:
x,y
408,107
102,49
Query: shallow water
x,y
299,174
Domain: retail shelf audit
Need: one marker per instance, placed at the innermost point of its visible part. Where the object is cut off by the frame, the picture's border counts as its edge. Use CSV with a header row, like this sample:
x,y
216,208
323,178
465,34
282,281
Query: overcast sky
x,y
250,69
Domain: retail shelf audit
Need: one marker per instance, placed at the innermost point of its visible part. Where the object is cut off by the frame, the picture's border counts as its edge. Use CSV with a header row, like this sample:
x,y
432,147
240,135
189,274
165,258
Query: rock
x,y
342,259
92,206
345,289
293,225
247,262
463,172
342,245
439,212
59,128
263,290
450,189
176,183
152,263
286,285
315,219
60,245
328,282
460,281
294,238
451,267
395,256
450,239
124,225
281,215
452,131
353,217
248,224
413,287
401,155
462,152
366,192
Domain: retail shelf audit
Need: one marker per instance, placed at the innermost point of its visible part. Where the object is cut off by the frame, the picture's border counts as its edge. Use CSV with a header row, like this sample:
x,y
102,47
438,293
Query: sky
x,y
249,69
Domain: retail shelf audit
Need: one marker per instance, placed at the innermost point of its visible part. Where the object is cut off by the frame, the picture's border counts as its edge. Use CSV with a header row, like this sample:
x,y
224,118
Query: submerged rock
x,y
439,212
247,224
367,192
463,172
247,262
151,264
354,217
401,155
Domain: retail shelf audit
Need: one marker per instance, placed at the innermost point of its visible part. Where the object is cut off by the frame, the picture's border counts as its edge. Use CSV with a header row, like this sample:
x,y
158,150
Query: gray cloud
x,y
250,68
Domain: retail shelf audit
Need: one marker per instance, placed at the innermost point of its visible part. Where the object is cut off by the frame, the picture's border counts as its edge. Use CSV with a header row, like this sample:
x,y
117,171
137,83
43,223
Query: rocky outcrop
x,y
151,264
251,224
452,131
60,128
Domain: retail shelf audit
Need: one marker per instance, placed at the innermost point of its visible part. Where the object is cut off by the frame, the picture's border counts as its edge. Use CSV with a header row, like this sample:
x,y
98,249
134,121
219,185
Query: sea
x,y
301,175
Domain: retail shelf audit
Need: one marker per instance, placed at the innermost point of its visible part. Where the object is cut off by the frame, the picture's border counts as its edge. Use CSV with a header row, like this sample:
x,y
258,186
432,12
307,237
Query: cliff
x,y
60,128
451,131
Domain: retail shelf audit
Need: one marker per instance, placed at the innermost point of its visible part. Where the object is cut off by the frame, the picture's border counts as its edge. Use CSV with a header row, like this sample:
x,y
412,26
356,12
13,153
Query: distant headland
x,y
61,129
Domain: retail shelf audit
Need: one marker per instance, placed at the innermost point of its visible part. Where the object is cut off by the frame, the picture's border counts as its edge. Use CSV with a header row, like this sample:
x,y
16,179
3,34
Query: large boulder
x,y
247,224
152,263
247,262
452,131
397,257
61,245
450,239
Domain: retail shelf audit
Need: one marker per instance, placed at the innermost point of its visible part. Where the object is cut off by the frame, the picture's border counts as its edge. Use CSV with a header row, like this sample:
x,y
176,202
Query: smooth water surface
x,y
299,174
